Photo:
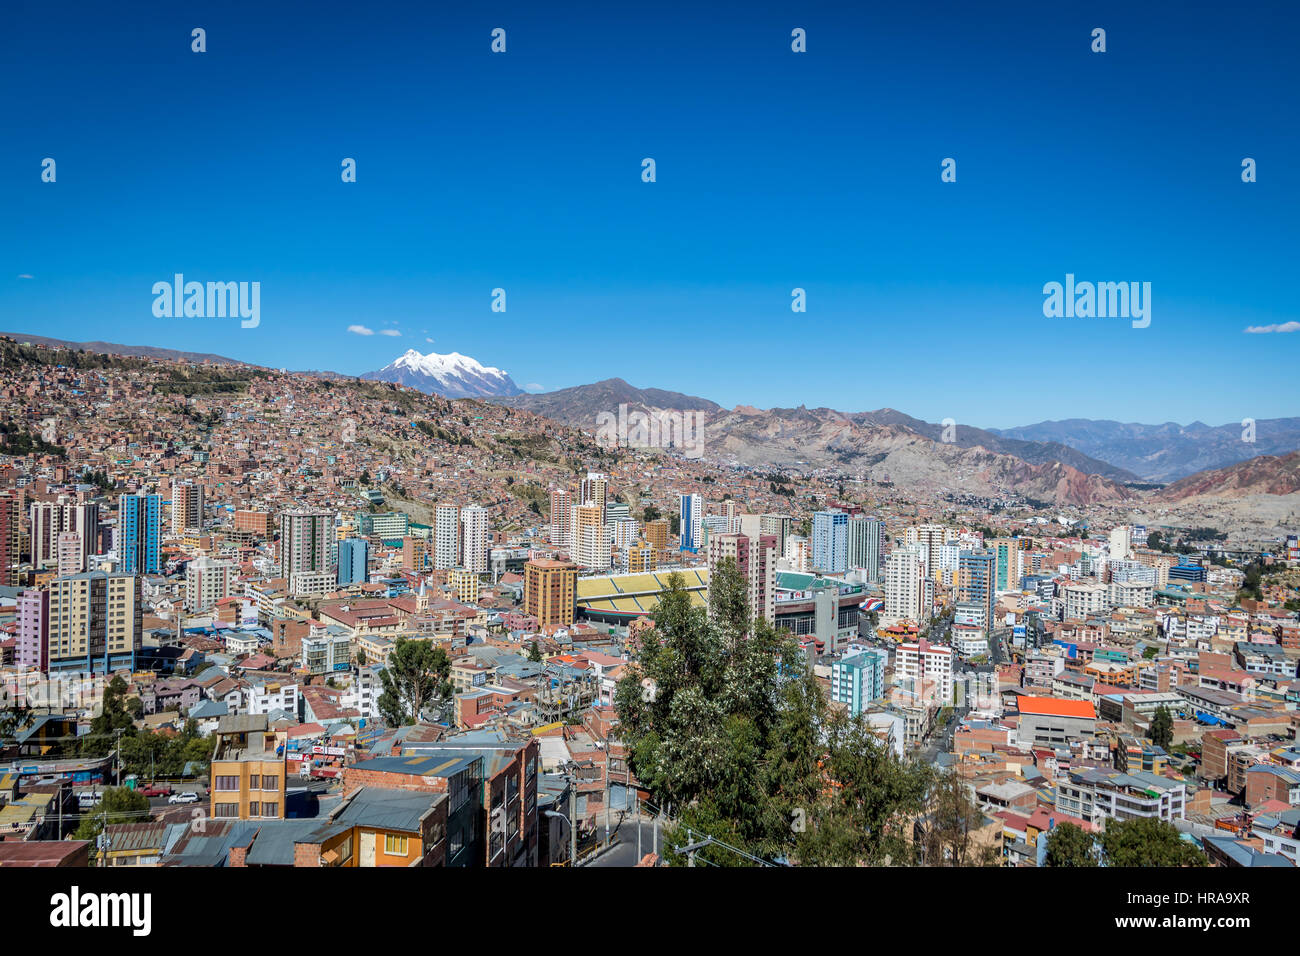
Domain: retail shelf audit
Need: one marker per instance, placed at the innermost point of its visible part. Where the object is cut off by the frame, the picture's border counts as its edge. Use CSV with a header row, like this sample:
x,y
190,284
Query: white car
x,y
185,796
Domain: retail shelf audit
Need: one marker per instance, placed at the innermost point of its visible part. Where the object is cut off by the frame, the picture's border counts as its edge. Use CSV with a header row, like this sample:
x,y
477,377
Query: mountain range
x,y
131,351
1167,452
1076,461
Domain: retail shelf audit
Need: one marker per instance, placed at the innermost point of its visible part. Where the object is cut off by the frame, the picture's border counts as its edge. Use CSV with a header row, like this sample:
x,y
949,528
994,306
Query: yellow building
x,y
95,620
640,558
248,769
464,583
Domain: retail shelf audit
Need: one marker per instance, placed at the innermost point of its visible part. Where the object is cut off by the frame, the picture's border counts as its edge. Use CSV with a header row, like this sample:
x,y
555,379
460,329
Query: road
x,y
624,851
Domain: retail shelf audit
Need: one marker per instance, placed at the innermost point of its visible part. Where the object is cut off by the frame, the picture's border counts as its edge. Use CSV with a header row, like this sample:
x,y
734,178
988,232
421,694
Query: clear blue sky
x,y
775,170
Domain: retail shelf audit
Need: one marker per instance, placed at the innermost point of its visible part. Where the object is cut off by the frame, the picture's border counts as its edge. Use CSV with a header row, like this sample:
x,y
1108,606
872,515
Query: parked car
x,y
157,790
185,796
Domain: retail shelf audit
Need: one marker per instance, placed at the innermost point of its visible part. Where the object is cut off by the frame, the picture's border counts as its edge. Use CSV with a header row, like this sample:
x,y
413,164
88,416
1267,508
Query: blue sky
x,y
775,170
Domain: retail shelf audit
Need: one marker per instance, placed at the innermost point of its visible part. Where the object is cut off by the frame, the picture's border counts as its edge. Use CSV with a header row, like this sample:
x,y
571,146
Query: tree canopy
x,y
417,673
724,720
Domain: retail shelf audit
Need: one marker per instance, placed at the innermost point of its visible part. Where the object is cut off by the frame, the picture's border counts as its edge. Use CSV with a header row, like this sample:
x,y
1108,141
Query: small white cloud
x,y
1284,327
393,332
429,340
360,330
26,276
534,387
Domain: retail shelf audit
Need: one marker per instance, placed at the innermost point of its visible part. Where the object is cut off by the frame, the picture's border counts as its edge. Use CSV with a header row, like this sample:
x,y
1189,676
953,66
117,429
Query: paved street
x,y
624,852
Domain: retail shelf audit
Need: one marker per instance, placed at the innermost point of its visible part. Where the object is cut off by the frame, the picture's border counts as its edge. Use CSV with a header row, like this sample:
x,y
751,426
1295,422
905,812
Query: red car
x,y
157,790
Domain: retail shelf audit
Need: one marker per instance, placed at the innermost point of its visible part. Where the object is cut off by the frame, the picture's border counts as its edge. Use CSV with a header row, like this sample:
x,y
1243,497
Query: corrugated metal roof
x,y
388,809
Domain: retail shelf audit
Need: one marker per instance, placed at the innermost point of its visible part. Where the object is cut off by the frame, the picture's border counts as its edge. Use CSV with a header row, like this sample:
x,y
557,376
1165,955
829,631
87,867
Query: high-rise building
x,y
561,518
71,555
446,536
755,558
866,540
307,550
415,554
924,670
595,491
95,621
550,591
354,556
207,581
778,525
1121,542
928,537
33,647
49,519
139,531
1006,562
692,514
8,540
474,539
623,532
590,544
905,584
830,542
977,580
187,506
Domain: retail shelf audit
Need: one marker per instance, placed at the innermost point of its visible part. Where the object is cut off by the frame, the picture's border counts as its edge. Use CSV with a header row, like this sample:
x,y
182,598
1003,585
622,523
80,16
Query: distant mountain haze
x,y
1166,452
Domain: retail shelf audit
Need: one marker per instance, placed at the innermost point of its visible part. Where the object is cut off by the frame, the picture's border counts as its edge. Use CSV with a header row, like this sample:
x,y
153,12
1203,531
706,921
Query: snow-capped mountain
x,y
451,376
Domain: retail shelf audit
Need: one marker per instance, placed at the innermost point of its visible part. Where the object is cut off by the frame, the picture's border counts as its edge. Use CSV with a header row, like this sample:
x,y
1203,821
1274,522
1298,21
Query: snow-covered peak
x,y
452,375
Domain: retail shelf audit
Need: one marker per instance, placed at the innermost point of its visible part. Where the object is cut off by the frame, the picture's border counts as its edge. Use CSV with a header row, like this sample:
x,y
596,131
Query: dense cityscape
x,y
262,618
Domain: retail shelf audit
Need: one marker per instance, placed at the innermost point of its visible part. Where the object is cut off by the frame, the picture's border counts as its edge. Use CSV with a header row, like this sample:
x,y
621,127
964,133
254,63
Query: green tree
x,y
119,805
1069,845
534,653
1162,728
946,831
729,602
724,720
416,674
1146,841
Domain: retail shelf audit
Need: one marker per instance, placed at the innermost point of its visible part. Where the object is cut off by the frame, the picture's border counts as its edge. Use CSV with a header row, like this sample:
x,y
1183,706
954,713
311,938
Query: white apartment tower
x,y
474,539
905,585
446,536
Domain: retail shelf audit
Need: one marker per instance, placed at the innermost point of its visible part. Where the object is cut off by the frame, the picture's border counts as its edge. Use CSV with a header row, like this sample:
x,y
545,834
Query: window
x,y
396,845
253,808
227,783
270,809
270,781
226,810
253,782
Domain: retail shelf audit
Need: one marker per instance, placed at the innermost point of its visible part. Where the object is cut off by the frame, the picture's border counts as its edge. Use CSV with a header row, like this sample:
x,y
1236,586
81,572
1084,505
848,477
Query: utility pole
x,y
636,822
573,820
692,847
